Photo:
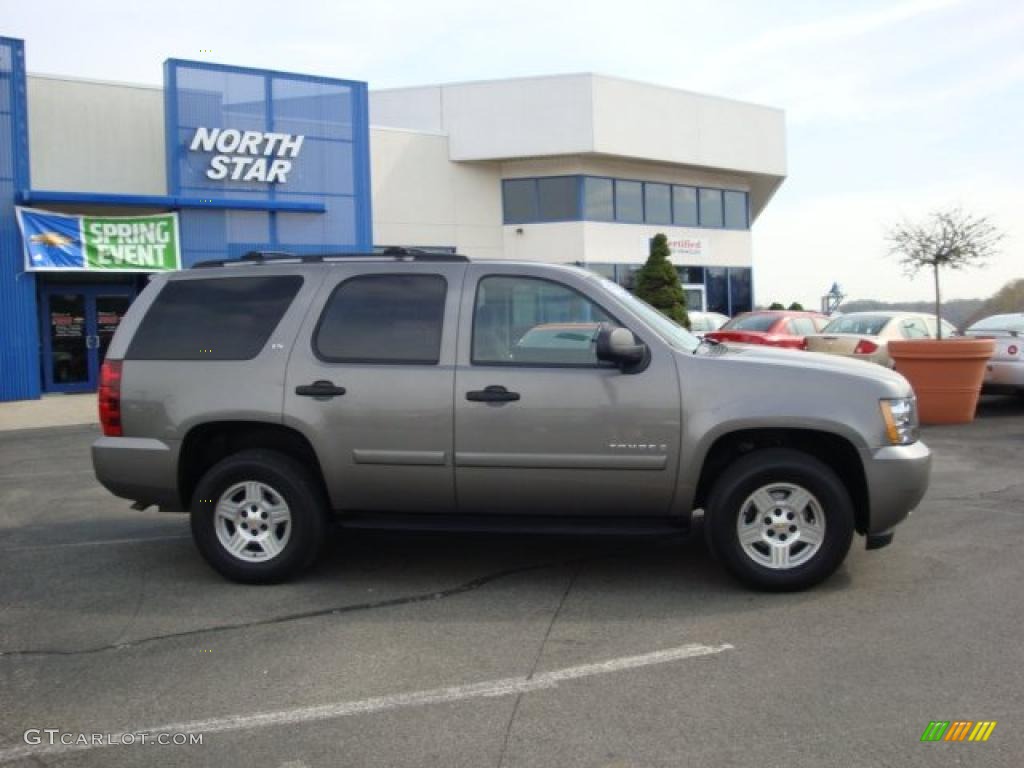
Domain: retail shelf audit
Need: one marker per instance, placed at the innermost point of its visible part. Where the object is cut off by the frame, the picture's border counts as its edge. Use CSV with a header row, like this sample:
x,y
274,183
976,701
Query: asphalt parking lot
x,y
415,650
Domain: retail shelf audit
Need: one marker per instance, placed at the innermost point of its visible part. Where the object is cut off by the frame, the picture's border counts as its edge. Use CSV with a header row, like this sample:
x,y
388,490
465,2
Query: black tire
x,y
736,485
286,478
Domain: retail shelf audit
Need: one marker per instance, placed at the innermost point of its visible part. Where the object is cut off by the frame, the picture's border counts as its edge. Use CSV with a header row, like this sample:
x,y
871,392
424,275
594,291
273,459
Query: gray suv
x,y
272,395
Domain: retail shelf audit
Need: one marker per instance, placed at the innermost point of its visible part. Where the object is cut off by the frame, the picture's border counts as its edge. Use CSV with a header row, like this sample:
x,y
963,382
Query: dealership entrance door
x,y
78,323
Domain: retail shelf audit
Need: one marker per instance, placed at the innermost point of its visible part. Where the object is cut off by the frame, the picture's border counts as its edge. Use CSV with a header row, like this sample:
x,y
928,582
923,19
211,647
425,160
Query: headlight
x,y
900,415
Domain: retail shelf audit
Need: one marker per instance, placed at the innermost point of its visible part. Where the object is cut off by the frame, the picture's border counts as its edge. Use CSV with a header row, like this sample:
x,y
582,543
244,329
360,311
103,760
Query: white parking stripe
x,y
489,689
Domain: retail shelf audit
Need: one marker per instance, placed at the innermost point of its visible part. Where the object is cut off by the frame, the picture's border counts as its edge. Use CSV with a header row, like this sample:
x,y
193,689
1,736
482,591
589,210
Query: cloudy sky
x,y
893,108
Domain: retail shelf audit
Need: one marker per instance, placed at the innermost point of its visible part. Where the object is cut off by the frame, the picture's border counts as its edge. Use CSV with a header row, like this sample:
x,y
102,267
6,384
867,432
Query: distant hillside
x,y
1009,298
957,311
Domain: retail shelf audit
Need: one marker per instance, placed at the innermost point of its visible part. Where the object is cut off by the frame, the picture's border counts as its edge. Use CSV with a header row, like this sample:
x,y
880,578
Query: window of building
x,y
383,319
716,285
519,197
558,198
657,204
629,201
735,204
598,199
711,208
740,291
227,318
684,206
529,321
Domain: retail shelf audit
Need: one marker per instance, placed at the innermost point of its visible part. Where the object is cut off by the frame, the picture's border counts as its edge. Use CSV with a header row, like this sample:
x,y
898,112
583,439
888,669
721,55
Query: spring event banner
x,y
59,242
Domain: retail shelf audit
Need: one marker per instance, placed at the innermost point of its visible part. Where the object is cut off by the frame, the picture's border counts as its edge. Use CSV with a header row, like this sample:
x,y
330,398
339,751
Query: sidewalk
x,y
49,411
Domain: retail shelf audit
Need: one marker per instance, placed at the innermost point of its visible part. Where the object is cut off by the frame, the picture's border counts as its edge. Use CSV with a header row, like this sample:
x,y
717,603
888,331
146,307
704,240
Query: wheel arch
x,y
206,444
835,450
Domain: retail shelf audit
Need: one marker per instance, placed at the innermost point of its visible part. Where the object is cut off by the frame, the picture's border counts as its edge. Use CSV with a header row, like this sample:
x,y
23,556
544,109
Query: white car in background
x,y
866,335
702,322
1005,371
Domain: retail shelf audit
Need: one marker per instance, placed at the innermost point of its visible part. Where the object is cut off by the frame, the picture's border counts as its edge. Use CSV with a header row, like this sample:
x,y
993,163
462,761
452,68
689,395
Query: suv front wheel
x,y
258,517
779,520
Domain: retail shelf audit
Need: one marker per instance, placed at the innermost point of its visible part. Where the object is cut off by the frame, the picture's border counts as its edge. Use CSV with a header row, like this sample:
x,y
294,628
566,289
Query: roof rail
x,y
270,257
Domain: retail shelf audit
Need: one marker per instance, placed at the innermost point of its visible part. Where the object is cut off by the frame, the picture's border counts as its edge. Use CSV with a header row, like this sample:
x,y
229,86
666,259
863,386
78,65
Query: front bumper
x,y
139,468
897,477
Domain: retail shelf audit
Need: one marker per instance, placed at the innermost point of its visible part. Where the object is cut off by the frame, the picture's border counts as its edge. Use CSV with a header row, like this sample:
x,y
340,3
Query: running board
x,y
560,526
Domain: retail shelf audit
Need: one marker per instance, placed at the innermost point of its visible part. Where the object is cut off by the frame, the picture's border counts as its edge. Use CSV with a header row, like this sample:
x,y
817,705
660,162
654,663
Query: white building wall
x,y
96,137
421,198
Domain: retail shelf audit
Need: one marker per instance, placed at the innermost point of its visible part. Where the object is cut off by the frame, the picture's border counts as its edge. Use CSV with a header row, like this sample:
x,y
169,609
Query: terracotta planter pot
x,y
946,375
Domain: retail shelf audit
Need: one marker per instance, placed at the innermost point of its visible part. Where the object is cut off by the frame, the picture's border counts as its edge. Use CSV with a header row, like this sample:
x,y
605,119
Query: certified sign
x,y
247,155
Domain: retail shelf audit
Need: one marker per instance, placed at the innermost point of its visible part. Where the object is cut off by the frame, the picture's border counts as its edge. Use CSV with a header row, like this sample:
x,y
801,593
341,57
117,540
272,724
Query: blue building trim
x,y
37,196
19,328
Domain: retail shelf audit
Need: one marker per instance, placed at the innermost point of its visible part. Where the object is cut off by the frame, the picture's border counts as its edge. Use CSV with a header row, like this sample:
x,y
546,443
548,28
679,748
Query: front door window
x,y
69,363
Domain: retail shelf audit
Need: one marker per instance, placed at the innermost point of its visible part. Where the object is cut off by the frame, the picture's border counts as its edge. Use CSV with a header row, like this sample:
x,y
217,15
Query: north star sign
x,y
247,155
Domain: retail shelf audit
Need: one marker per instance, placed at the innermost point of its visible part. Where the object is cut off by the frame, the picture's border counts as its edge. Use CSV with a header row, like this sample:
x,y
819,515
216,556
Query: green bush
x,y
658,284
776,305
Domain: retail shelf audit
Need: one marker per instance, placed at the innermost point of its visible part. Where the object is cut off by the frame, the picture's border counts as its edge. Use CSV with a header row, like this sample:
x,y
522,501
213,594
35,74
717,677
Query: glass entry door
x,y
78,324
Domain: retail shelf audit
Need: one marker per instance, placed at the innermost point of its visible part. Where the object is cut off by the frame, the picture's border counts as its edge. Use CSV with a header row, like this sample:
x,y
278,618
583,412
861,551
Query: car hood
x,y
815,361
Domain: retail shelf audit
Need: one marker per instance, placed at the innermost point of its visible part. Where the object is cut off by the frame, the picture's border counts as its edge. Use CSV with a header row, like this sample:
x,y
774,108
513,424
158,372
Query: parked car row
x,y
866,336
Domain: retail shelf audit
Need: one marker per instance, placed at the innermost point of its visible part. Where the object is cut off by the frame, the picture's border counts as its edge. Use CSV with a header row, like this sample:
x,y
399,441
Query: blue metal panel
x,y
19,329
37,196
332,171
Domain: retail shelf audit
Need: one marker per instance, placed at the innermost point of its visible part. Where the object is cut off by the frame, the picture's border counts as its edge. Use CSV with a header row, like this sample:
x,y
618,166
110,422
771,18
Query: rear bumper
x,y
139,468
1003,377
897,478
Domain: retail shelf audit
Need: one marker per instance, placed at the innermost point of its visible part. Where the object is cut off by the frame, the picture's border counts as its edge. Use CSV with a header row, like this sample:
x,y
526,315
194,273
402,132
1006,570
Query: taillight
x,y
865,347
110,398
803,343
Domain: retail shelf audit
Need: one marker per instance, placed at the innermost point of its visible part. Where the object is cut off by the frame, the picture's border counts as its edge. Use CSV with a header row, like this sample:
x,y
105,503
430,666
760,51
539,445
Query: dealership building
x,y
568,169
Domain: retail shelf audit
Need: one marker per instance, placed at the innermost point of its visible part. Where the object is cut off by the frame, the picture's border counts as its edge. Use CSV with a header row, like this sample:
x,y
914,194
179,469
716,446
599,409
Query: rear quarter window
x,y
222,318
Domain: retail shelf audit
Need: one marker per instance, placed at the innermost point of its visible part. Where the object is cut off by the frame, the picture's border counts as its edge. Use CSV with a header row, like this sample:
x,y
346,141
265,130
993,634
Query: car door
x,y
541,426
370,383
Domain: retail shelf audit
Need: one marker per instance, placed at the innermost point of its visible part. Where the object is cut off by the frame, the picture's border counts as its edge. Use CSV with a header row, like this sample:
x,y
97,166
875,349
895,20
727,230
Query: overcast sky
x,y
893,108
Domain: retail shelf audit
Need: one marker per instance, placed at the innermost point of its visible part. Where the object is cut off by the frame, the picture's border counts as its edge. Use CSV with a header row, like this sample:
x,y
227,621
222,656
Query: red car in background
x,y
776,328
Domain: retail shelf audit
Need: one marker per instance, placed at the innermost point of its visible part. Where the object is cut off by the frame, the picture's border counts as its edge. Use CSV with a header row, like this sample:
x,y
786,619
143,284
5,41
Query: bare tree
x,y
948,238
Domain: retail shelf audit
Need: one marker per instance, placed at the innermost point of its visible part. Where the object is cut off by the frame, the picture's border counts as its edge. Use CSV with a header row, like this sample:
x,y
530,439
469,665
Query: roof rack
x,y
270,257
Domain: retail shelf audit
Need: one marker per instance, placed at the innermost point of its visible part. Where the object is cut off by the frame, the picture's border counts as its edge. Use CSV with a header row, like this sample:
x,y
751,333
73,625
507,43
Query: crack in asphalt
x,y
536,661
460,589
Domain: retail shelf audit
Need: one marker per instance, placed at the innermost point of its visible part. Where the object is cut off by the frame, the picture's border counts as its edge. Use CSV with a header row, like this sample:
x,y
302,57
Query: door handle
x,y
319,389
492,394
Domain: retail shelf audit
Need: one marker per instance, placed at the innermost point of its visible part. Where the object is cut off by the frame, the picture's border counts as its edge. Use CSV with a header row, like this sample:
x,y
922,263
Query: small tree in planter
x,y
950,238
946,376
658,284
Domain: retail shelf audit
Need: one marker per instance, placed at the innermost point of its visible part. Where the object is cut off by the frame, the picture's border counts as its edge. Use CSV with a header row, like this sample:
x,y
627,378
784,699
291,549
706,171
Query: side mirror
x,y
620,346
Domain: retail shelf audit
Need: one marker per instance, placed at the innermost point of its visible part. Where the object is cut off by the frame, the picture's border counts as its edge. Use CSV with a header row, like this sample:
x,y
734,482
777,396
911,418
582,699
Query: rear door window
x,y
383,319
222,318
802,326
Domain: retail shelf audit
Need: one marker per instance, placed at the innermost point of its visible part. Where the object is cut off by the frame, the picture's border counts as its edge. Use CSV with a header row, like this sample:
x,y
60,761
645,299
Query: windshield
x,y
751,323
671,332
863,325
1000,323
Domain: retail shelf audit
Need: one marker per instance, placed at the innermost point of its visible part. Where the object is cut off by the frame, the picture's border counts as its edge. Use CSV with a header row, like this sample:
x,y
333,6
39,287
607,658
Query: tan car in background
x,y
866,335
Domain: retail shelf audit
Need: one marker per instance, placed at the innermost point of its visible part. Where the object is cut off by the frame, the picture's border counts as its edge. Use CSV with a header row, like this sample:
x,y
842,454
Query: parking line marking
x,y
95,543
489,689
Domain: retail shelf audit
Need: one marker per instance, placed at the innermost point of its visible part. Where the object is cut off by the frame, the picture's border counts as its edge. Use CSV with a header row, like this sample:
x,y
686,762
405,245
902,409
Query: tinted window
x,y
629,202
711,208
227,318
1000,323
657,204
519,197
740,290
716,282
521,320
558,198
684,206
735,210
756,322
383,319
598,202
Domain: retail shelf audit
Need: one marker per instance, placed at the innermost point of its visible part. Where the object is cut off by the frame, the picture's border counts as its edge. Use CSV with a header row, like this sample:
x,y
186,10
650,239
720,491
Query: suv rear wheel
x,y
779,520
258,517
